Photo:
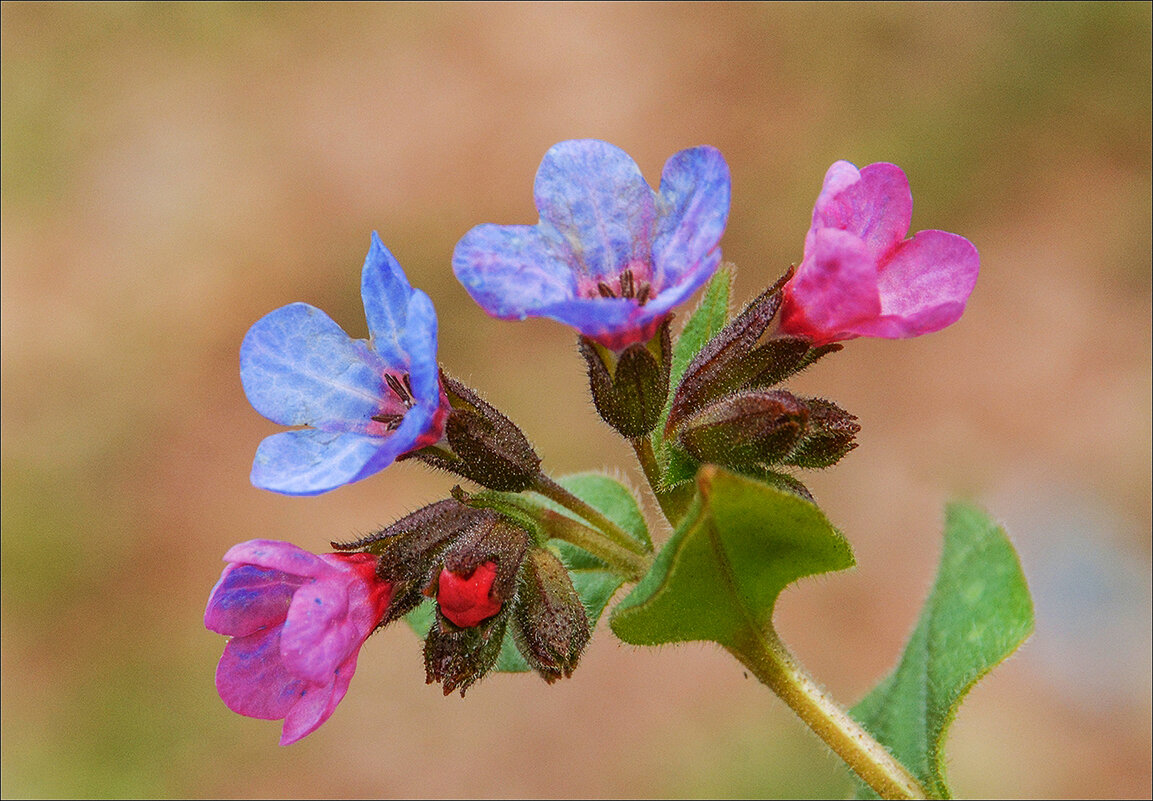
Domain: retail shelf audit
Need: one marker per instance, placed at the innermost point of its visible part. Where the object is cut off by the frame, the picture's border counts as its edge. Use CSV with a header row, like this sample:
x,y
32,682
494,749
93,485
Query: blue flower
x,y
610,256
366,402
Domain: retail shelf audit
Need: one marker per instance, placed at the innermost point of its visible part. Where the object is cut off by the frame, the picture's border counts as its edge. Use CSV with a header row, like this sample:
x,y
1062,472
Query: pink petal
x,y
878,208
317,703
282,556
252,680
248,598
318,635
925,285
834,288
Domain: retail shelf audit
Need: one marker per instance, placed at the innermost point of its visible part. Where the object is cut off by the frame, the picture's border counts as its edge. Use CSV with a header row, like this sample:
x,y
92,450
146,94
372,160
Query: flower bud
x,y
487,447
409,547
467,599
828,436
459,657
474,588
629,388
732,360
550,624
745,429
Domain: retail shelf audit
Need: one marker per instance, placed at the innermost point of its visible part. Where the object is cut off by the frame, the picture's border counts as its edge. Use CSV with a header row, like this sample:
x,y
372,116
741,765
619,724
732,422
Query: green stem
x,y
624,563
763,653
555,492
674,503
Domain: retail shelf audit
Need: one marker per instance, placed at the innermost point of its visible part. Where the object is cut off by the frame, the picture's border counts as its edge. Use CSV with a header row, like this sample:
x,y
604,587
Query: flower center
x,y
402,389
628,285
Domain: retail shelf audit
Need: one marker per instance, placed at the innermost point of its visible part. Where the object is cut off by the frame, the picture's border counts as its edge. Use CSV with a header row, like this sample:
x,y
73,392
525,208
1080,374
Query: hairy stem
x,y
763,653
674,503
555,492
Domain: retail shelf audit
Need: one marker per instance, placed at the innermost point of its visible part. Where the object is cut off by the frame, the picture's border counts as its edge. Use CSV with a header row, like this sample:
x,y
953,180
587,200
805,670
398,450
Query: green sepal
x,y
978,612
595,583
719,576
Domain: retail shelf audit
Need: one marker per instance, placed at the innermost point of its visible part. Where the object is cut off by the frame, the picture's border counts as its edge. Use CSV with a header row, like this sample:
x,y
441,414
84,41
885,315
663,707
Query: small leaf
x,y
595,583
978,613
720,574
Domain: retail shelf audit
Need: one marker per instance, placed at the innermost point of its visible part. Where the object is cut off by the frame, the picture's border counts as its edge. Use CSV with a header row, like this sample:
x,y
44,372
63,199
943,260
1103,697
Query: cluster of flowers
x,y
610,257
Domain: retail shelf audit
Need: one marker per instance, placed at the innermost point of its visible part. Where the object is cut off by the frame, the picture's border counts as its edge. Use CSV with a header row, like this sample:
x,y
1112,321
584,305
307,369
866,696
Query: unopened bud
x,y
745,429
487,447
408,548
467,599
629,388
551,626
474,589
828,436
459,657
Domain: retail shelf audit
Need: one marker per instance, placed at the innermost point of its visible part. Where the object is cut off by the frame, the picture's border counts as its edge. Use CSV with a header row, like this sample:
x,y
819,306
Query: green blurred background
x,y
173,172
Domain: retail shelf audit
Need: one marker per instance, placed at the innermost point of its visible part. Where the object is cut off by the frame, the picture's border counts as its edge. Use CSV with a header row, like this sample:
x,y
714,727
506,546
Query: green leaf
x,y
978,613
719,575
706,321
594,582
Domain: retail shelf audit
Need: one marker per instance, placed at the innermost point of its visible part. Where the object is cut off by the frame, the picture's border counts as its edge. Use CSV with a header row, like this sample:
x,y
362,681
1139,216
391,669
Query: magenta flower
x,y
610,256
366,402
296,622
860,277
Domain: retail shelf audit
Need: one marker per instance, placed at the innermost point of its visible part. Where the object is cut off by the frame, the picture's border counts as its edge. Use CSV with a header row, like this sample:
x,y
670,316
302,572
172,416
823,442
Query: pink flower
x,y
468,600
861,277
296,621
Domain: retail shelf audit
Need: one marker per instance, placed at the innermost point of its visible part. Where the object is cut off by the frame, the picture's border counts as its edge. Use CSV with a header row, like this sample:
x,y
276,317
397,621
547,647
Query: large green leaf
x,y
706,321
593,580
719,575
977,614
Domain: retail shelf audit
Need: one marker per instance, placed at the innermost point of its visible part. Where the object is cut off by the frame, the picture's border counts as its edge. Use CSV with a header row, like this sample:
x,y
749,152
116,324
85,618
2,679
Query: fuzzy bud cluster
x,y
728,410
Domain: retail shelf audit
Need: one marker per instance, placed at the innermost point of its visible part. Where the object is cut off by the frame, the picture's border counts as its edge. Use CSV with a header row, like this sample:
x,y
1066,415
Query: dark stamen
x,y
605,290
398,388
643,294
627,284
408,384
391,421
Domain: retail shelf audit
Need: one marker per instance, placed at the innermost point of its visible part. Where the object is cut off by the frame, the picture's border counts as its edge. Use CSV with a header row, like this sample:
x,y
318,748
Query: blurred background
x,y
173,172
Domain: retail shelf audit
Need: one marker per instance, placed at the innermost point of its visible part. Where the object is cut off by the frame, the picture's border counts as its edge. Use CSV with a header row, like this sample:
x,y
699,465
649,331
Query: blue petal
x,y
694,201
512,270
299,368
309,461
596,199
385,290
419,341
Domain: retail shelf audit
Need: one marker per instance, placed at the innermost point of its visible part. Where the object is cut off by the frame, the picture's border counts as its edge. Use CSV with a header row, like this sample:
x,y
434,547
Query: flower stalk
x,y
766,657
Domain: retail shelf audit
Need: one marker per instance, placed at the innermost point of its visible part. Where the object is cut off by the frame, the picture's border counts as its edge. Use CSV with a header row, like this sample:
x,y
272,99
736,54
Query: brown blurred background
x,y
173,172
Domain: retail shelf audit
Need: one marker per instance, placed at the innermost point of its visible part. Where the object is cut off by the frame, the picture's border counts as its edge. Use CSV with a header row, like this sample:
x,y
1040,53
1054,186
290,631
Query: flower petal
x,y
925,285
298,367
316,703
834,288
877,207
310,461
385,290
277,555
249,598
694,201
252,680
596,199
317,635
513,270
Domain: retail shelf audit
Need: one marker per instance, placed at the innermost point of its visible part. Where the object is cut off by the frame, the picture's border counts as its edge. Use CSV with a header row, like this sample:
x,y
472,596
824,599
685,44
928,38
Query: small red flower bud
x,y
467,600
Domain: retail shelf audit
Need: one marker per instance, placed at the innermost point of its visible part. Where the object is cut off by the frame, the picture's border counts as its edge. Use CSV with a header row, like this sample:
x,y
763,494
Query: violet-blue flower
x,y
610,256
365,402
